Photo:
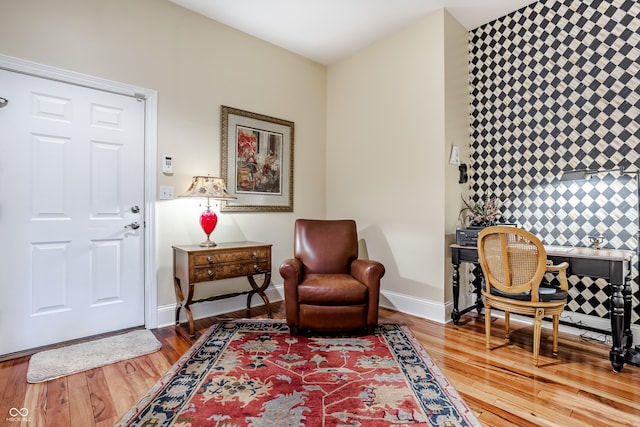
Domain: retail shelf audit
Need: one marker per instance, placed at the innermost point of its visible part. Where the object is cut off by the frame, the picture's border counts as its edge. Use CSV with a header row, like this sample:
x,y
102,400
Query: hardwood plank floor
x,y
501,386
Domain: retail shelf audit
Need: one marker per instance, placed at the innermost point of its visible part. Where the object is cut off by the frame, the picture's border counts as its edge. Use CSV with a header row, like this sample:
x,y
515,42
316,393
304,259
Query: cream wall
x,y
393,111
195,65
372,133
457,132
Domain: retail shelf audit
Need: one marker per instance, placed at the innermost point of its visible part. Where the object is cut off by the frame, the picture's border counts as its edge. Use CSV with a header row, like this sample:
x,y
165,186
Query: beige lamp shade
x,y
209,187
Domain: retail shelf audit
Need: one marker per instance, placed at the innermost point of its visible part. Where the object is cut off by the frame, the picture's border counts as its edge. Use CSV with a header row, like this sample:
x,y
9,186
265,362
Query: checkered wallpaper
x,y
556,86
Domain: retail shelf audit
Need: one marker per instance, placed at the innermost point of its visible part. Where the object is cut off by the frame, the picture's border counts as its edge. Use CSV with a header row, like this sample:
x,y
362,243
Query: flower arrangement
x,y
481,213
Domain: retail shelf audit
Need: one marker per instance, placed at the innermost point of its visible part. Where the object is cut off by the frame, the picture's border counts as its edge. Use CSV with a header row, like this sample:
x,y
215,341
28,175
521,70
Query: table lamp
x,y
211,188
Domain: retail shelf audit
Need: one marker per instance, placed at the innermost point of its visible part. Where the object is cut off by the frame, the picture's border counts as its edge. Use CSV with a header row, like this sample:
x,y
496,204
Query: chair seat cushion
x,y
545,294
333,289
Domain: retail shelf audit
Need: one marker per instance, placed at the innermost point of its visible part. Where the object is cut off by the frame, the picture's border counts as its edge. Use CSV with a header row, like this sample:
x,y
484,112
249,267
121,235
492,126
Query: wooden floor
x,y
501,386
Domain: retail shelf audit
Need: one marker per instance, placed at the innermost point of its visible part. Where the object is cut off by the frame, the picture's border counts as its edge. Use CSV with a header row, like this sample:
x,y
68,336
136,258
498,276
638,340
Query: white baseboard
x,y
167,313
578,320
425,309
430,310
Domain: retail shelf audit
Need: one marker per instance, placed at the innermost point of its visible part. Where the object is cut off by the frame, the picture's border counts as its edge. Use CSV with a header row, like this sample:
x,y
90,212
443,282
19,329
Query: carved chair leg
x,y
556,323
537,331
507,326
487,325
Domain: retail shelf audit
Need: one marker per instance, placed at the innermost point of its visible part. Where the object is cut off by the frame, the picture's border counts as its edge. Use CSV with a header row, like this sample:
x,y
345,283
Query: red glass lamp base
x,y
208,222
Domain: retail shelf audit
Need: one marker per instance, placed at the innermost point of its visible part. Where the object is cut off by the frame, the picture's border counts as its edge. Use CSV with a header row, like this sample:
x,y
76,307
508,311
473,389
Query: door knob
x,y
135,208
134,225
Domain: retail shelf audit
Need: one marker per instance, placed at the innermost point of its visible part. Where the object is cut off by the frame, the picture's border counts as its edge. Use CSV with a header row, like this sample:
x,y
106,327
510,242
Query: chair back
x,y
325,246
512,260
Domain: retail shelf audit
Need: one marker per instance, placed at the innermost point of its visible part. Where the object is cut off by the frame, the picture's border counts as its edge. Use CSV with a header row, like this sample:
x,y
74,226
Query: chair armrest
x,y
367,271
561,269
291,270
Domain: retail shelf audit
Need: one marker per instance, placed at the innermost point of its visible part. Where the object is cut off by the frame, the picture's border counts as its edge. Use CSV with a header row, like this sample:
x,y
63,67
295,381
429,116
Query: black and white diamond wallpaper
x,y
556,86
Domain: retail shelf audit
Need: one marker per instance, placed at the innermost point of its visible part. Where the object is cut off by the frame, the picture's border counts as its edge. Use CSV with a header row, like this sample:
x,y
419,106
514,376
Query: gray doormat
x,y
51,364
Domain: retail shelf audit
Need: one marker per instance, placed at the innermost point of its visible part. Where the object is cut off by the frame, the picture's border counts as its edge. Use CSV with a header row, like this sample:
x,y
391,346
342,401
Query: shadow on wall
x,y
373,245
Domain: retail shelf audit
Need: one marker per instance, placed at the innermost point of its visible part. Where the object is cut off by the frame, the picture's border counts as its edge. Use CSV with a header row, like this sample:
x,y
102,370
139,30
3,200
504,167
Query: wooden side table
x,y
193,264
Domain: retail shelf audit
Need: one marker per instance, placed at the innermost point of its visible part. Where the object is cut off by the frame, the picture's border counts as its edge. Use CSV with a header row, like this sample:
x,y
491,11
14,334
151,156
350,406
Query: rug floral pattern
x,y
255,374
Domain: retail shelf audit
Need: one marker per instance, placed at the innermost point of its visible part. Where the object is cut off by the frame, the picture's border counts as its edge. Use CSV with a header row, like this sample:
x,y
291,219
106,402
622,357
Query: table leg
x,y
181,303
477,283
260,291
455,314
632,354
179,298
187,309
627,334
616,355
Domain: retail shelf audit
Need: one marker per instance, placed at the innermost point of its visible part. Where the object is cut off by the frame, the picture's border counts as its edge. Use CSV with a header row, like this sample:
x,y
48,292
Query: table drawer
x,y
225,271
217,257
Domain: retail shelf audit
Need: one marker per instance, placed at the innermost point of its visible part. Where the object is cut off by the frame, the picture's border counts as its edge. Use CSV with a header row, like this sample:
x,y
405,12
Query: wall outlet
x,y
166,192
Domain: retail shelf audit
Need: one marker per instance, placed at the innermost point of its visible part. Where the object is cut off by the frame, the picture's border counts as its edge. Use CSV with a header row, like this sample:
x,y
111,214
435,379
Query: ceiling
x,y
326,31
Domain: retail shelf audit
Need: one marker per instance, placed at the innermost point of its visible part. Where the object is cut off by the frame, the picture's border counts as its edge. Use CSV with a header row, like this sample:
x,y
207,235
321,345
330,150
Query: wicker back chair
x,y
514,263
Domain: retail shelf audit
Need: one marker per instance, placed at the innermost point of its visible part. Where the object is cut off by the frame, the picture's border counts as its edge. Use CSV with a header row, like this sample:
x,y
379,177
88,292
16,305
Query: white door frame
x,y
150,149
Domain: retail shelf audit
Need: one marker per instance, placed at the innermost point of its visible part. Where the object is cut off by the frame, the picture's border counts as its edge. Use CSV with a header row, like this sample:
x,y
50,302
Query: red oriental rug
x,y
253,373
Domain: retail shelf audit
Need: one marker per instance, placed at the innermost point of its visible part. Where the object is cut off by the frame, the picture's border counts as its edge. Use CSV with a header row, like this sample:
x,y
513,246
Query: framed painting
x,y
257,161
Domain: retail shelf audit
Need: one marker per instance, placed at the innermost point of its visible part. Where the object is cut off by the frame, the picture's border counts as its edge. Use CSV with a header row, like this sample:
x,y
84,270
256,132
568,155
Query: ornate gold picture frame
x,y
257,161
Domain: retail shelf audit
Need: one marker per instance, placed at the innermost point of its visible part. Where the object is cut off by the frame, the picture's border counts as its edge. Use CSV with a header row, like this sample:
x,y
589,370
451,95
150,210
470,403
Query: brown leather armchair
x,y
326,287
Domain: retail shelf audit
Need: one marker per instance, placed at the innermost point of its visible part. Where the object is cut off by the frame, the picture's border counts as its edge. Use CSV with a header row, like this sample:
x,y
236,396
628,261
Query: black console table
x,y
612,265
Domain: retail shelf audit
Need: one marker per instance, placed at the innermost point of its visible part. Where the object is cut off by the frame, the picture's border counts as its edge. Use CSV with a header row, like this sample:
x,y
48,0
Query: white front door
x,y
71,192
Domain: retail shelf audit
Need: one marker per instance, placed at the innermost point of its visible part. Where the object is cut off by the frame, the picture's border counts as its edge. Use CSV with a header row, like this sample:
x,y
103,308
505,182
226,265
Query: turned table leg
x,y
455,314
616,355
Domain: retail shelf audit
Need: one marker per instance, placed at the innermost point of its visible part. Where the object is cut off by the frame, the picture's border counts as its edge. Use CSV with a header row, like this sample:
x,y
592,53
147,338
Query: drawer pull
x,y
255,254
209,259
255,267
210,273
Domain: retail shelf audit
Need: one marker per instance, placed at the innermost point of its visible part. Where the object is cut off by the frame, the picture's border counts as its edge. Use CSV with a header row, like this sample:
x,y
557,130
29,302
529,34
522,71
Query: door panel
x,y
48,286
71,168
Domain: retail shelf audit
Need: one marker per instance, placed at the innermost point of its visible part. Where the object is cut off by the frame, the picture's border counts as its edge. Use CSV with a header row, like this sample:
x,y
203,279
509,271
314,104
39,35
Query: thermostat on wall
x,y
167,164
